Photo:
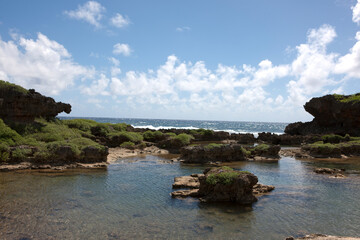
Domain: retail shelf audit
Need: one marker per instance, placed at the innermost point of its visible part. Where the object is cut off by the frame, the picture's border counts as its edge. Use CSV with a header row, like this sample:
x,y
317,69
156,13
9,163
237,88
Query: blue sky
x,y
213,60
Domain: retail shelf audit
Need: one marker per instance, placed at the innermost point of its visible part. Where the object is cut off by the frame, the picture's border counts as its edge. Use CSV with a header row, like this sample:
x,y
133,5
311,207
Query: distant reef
x,y
19,104
333,114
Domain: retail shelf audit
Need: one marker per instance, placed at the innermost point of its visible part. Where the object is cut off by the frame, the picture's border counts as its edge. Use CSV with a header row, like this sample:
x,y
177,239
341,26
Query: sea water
x,y
228,126
131,200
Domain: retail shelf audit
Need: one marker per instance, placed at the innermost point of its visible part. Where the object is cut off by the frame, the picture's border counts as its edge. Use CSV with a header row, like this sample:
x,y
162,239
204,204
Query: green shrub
x,y
213,145
84,125
7,135
224,175
101,130
21,153
122,127
170,134
261,147
127,136
153,136
141,145
183,138
4,156
129,145
12,87
332,138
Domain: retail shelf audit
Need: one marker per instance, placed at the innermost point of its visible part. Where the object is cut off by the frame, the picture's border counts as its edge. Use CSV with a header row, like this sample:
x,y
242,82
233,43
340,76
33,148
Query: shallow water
x,y
131,200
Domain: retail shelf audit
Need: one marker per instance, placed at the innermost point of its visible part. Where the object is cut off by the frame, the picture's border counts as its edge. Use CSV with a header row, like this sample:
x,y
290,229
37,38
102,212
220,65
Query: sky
x,y
232,60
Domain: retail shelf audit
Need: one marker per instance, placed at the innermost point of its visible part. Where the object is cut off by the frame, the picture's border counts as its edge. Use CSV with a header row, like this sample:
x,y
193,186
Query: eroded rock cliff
x,y
21,105
336,114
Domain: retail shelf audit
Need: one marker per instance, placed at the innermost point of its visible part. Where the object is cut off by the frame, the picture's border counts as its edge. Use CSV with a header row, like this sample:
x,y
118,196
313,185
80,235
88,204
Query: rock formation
x,y
19,104
336,114
204,154
221,184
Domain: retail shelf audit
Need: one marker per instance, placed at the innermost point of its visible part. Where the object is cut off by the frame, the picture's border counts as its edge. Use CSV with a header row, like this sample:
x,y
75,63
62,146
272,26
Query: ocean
x,y
227,126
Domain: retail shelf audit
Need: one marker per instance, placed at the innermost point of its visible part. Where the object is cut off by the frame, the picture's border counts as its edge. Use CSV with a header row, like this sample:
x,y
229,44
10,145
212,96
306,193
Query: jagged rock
x,y
205,154
323,237
259,189
328,170
19,104
243,138
187,182
332,114
230,185
287,139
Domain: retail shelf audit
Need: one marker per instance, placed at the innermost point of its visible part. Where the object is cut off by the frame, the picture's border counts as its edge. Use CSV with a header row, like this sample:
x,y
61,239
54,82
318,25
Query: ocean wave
x,y
164,127
256,134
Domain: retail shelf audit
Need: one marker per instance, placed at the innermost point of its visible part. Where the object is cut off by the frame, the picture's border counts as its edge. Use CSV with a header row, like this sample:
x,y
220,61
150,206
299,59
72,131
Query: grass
x,y
129,145
6,86
213,145
47,138
152,136
223,175
354,98
127,136
183,138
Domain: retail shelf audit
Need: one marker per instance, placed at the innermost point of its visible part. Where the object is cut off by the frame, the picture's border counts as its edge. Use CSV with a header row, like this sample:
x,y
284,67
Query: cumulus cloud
x,y
356,12
349,64
122,49
313,66
119,21
97,87
91,12
39,63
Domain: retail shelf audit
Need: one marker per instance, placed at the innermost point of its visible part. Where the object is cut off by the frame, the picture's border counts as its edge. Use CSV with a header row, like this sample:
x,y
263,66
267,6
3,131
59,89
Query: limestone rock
x,y
19,104
332,114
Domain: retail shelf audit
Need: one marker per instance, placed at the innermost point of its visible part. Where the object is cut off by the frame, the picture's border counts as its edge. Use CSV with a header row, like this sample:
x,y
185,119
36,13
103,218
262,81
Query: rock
x,y
92,154
221,153
243,138
287,139
260,189
335,114
185,193
227,185
21,105
221,184
324,237
187,182
328,170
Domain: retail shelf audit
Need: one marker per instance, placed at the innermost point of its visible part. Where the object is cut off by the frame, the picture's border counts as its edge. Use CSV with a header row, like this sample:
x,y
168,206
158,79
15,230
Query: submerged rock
x,y
337,114
19,104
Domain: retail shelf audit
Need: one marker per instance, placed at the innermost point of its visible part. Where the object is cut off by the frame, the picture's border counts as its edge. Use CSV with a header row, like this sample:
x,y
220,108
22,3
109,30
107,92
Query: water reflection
x,y
130,200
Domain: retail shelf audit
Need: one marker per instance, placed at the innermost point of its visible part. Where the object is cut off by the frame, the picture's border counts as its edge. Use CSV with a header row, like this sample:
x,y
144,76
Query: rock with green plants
x,y
217,152
221,184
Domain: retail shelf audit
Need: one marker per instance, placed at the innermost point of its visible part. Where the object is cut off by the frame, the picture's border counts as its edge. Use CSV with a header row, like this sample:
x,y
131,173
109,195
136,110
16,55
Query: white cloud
x,y
122,48
349,64
313,66
42,64
183,29
97,87
119,21
356,12
90,12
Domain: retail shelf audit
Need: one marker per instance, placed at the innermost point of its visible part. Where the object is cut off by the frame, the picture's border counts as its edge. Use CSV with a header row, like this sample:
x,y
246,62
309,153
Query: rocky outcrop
x,y
336,114
19,104
287,139
323,237
213,153
221,184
